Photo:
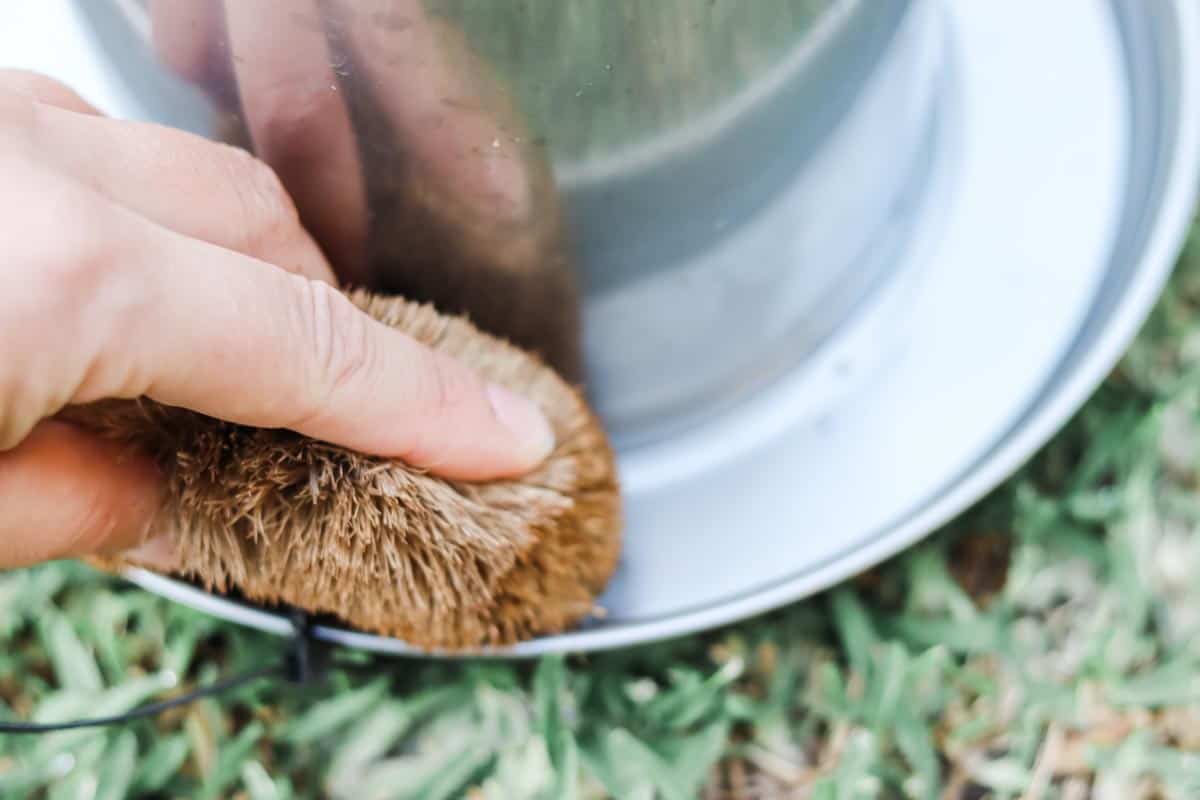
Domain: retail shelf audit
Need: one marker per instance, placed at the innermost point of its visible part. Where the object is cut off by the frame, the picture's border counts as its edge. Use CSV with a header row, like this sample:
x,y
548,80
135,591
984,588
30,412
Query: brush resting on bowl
x,y
384,547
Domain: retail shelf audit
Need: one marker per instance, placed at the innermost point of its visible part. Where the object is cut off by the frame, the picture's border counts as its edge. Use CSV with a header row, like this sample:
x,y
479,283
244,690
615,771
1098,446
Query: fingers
x,y
299,123
208,191
241,340
64,493
120,307
117,288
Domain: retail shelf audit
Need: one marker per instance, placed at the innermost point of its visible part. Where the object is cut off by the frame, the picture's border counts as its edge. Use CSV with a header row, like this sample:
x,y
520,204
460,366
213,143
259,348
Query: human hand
x,y
144,261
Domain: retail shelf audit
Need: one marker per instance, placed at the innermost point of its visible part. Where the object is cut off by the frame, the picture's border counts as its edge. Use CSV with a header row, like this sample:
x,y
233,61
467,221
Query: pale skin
x,y
144,261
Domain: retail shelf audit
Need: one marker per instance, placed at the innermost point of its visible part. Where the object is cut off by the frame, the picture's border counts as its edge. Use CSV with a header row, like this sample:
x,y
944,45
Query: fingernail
x,y
524,419
158,553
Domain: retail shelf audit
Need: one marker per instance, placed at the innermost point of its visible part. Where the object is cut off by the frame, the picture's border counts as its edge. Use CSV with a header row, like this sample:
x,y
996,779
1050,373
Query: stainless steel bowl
x,y
1003,188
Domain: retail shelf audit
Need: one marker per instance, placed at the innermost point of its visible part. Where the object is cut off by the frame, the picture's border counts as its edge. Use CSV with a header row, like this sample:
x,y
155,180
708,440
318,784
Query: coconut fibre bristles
x,y
446,565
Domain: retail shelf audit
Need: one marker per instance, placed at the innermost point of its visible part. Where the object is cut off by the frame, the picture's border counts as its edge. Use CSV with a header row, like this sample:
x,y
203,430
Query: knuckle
x,y
94,527
339,344
72,281
265,208
37,86
447,389
18,112
68,241
77,258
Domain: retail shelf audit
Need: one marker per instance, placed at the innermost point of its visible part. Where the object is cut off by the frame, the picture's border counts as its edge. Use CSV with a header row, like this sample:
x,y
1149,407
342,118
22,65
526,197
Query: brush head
x,y
386,549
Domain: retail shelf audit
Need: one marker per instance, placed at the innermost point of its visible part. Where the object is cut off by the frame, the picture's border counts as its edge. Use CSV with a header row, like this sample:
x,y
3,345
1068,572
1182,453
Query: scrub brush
x,y
279,518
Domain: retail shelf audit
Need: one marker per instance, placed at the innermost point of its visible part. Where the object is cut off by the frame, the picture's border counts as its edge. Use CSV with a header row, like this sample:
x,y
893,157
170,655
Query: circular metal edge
x,y
1061,398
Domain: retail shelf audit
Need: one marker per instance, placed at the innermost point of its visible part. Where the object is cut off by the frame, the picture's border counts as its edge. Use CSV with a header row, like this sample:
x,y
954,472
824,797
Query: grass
x,y
1043,646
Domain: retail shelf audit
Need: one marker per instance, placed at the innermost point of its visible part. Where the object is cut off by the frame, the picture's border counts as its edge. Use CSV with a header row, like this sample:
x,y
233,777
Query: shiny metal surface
x,y
663,179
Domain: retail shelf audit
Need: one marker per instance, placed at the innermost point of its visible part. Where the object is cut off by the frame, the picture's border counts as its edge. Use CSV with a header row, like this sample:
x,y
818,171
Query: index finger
x,y
229,336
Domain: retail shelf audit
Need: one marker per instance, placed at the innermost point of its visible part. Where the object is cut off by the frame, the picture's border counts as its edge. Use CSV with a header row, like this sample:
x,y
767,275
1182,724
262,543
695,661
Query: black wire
x,y
305,660
151,709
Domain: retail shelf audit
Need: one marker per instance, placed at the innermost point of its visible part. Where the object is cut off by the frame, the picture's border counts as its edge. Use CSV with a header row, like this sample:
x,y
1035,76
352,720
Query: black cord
x,y
304,660
149,710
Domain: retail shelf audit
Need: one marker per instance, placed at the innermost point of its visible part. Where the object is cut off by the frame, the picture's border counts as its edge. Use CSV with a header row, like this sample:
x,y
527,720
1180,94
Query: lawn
x,y
1043,646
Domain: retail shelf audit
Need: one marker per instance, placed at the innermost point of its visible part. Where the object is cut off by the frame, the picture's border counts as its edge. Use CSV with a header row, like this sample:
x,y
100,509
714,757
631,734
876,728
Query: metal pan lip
x,y
1150,238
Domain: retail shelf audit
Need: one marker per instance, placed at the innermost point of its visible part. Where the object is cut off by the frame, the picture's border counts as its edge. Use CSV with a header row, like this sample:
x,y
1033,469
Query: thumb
x,y
65,493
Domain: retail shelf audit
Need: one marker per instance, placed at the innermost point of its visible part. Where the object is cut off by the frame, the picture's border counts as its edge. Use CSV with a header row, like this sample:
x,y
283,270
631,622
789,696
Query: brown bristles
x,y
385,548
